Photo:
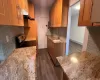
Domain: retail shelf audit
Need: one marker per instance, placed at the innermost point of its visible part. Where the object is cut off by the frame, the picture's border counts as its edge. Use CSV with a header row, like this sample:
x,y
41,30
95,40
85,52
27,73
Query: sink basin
x,y
57,41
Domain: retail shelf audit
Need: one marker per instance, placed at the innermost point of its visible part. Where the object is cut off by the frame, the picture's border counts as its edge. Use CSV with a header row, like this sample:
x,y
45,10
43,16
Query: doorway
x,y
75,34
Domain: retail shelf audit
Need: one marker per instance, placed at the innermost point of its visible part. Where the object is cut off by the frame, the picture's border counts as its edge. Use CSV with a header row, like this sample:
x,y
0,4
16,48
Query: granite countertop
x,y
63,40
20,65
81,66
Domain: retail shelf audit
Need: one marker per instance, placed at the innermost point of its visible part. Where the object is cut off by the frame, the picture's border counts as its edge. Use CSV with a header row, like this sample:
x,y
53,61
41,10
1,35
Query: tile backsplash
x,y
61,32
8,45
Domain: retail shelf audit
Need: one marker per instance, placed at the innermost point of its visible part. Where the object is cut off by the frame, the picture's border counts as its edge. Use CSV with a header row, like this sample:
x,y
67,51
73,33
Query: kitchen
x,y
35,40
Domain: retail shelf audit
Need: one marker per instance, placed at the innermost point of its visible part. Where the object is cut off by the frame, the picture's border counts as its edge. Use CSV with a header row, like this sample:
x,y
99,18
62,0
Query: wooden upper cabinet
x,y
56,14
11,13
24,5
95,16
31,26
20,14
59,13
85,13
65,10
31,9
4,12
16,12
89,13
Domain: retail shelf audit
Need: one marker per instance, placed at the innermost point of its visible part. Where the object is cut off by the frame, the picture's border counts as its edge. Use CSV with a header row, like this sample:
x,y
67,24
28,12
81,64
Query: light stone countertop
x,y
20,65
62,40
81,66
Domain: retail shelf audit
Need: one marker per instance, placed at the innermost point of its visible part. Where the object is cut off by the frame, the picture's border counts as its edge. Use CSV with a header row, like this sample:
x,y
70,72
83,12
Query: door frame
x,y
68,33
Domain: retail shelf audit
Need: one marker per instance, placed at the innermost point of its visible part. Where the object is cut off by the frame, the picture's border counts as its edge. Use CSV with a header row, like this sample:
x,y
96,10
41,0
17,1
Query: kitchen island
x,y
81,66
20,65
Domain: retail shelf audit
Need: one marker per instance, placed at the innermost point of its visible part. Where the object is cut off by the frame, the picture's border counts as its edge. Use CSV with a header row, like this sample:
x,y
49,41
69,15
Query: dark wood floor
x,y
45,69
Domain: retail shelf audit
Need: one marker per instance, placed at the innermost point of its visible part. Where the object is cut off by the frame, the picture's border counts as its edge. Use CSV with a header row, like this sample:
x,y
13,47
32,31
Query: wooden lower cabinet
x,y
55,50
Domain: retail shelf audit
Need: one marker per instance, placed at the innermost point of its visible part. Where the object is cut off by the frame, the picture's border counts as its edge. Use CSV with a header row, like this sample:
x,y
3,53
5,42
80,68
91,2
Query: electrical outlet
x,y
7,38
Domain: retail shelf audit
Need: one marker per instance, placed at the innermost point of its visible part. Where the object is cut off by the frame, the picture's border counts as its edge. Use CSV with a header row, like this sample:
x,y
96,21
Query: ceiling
x,y
43,3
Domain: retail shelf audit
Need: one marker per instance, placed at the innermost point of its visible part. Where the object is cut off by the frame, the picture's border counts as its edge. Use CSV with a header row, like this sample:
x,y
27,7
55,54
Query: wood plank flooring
x,y
44,67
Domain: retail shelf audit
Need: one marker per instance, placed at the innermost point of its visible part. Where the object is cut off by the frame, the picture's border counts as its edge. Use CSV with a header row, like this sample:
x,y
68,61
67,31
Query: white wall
x,y
76,32
42,18
85,40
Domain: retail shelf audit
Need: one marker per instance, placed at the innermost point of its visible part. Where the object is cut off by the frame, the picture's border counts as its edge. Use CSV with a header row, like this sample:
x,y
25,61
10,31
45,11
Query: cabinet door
x,y
95,15
25,5
31,9
65,10
14,14
56,14
59,13
4,12
10,13
20,15
85,13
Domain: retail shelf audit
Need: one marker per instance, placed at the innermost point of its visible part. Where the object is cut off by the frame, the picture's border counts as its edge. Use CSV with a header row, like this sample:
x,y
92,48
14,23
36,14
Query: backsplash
x,y
61,32
7,46
93,45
